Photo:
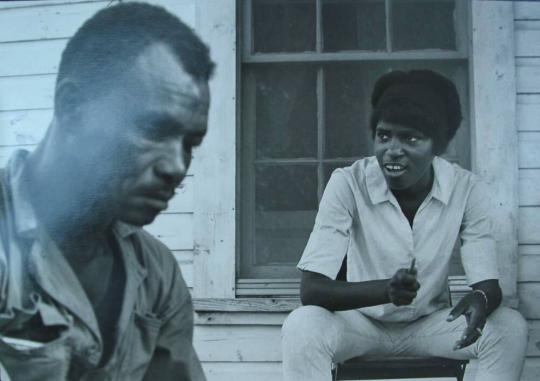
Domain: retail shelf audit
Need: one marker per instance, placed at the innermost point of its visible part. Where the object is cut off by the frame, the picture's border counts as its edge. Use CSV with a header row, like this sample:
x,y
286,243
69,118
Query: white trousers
x,y
313,338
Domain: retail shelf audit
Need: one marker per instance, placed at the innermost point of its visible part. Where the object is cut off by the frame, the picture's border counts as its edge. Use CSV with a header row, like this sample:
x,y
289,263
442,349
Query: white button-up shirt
x,y
359,217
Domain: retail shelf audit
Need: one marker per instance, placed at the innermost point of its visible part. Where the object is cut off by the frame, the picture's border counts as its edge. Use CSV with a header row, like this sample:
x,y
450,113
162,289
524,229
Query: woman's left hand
x,y
473,307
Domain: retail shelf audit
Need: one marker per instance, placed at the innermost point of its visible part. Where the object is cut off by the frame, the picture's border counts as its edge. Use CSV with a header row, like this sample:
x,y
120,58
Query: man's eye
x,y
413,139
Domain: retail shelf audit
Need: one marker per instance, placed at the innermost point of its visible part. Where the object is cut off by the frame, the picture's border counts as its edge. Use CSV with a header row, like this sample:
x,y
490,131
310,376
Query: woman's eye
x,y
382,136
413,139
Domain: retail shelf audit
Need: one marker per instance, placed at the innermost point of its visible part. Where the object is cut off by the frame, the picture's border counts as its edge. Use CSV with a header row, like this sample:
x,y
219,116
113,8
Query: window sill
x,y
246,305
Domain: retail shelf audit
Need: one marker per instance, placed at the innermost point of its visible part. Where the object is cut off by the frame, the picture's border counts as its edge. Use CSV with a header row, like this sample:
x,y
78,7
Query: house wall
x,y
243,345
527,54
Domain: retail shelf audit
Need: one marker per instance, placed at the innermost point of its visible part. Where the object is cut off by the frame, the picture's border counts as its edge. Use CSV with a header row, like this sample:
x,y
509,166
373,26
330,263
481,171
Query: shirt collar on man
x,y
442,184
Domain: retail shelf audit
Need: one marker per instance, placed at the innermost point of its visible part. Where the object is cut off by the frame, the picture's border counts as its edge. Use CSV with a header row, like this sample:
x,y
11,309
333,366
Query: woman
x,y
395,218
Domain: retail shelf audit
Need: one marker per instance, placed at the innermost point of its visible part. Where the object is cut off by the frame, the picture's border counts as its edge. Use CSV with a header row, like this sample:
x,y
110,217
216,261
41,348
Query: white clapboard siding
x,y
529,225
23,127
31,57
45,22
245,371
526,10
238,343
528,110
529,300
174,230
527,35
4,5
528,268
528,75
529,153
529,187
27,92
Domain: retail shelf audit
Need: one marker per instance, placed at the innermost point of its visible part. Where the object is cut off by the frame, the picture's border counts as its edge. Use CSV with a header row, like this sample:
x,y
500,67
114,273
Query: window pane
x,y
286,111
285,207
423,24
348,90
281,26
354,25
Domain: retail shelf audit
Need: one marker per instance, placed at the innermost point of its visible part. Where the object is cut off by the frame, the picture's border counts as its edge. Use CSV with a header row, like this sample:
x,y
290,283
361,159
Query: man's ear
x,y
68,101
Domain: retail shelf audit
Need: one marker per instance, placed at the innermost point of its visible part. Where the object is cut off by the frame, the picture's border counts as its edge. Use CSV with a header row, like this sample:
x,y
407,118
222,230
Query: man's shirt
x,y
48,328
360,218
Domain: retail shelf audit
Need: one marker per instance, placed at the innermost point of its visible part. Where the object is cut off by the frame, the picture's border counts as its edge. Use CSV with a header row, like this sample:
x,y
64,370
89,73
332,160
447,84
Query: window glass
x,y
347,88
285,207
423,24
354,25
283,26
286,111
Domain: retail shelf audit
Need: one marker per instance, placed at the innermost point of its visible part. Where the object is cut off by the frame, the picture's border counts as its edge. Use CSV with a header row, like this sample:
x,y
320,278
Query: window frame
x,y
494,152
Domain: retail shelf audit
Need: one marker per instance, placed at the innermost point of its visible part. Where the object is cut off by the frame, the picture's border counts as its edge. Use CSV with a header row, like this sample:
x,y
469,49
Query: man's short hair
x,y
107,44
420,99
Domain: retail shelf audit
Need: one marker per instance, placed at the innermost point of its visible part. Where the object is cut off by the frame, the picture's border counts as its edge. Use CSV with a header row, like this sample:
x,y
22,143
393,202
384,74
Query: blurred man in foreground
x,y
85,294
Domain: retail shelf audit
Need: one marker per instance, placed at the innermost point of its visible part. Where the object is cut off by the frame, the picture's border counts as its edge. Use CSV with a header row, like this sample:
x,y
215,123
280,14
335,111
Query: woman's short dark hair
x,y
107,44
421,99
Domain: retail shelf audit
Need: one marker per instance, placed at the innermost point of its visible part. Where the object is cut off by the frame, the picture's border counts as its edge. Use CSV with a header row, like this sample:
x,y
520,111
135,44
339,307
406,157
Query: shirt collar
x,y
26,222
25,218
442,185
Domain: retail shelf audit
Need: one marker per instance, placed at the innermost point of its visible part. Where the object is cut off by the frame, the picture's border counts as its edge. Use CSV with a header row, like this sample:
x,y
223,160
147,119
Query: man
x,y
395,218
85,294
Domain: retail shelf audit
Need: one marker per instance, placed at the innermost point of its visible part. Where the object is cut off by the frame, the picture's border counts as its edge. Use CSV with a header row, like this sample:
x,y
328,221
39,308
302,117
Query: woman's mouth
x,y
394,169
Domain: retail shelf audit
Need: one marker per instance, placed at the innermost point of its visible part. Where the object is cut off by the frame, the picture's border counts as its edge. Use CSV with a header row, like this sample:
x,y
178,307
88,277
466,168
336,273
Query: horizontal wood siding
x,y
527,52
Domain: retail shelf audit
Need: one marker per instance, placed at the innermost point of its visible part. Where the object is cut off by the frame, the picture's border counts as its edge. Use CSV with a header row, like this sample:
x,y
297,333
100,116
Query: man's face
x,y
138,137
404,155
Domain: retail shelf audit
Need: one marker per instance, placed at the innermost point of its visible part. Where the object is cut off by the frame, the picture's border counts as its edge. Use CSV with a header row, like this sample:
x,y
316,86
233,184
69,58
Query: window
x,y
308,67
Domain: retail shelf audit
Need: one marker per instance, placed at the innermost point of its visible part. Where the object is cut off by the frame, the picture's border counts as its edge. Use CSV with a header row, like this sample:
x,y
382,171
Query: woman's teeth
x,y
394,167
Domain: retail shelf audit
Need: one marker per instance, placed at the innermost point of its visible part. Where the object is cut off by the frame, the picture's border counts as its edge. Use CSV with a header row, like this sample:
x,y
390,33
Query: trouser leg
x,y
313,338
500,350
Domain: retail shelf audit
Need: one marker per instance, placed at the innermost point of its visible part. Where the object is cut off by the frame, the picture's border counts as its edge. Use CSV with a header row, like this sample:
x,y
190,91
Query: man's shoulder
x,y
156,254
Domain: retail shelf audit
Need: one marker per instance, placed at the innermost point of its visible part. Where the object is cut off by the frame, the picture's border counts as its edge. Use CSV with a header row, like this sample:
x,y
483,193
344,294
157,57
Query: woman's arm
x,y
334,295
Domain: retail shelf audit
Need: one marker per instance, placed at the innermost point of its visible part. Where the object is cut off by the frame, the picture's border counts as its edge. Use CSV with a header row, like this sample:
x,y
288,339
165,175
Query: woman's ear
x,y
68,103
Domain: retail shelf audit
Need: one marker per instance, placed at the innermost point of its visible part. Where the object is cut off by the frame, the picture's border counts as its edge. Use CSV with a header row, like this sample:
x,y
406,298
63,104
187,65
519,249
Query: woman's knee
x,y
307,325
508,324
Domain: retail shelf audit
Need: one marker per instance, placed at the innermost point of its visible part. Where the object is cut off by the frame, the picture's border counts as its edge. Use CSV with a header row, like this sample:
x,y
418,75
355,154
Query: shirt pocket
x,y
143,335
48,362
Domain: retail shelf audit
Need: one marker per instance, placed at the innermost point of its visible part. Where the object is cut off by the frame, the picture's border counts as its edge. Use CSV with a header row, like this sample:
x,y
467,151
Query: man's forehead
x,y
158,65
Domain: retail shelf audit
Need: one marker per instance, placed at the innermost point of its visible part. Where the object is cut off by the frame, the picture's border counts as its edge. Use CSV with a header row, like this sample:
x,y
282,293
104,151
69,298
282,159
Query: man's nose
x,y
174,164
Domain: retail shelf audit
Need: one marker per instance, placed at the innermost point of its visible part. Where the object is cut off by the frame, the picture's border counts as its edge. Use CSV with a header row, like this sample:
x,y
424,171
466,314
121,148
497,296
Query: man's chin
x,y
139,218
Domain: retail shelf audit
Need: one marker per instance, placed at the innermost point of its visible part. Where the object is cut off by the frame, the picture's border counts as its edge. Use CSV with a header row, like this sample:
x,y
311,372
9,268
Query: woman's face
x,y
404,155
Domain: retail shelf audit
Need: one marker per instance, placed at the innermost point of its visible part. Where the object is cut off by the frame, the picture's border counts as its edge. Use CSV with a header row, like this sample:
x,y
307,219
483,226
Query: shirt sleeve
x,y
478,253
174,357
329,240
